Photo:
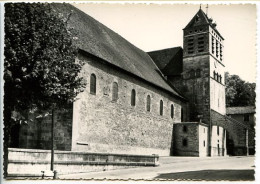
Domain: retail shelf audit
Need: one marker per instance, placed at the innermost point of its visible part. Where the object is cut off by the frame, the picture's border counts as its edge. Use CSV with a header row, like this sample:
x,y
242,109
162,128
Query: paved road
x,y
209,168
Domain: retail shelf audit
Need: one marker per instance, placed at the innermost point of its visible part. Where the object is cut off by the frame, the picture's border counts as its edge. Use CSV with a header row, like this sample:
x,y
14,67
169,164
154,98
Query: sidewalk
x,y
190,166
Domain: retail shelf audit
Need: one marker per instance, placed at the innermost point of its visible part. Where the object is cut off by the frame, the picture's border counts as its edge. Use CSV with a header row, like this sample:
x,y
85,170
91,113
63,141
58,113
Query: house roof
x,y
97,39
169,61
240,110
204,20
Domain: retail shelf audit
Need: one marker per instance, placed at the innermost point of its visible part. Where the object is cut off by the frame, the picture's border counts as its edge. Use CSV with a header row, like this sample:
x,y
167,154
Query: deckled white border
x,y
257,160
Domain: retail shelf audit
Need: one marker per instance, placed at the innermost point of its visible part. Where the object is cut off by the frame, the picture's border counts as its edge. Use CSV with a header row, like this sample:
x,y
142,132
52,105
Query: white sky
x,y
155,27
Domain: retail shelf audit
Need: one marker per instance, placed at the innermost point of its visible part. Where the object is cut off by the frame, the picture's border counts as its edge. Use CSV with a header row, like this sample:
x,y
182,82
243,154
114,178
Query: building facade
x,y
246,116
139,103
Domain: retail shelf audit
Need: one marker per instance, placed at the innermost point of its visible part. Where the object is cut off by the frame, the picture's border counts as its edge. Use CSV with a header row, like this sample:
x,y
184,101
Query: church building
x,y
165,102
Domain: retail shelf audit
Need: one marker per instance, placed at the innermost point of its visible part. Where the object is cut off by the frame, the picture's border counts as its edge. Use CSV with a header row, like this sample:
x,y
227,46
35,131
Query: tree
x,y
239,92
40,70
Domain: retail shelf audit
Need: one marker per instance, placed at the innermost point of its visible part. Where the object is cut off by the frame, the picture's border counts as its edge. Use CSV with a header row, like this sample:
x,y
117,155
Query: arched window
x,y
114,91
198,73
172,111
133,97
161,107
93,84
148,103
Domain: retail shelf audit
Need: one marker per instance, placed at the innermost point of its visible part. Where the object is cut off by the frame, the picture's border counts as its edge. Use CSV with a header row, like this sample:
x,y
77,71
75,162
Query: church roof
x,y
97,39
169,61
204,20
240,110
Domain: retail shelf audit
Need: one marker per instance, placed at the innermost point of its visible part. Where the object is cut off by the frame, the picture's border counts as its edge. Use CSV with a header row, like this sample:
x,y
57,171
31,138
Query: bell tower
x,y
203,68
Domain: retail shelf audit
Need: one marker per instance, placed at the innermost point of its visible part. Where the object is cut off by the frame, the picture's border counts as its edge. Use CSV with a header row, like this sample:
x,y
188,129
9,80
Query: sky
x,y
155,27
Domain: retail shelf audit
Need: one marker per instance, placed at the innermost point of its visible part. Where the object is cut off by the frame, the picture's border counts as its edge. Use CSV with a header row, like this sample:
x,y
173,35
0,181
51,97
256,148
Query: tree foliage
x,y
40,65
40,69
239,92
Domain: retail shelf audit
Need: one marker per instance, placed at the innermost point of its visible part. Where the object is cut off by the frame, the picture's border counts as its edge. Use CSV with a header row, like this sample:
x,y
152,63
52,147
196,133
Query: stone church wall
x,y
103,125
196,88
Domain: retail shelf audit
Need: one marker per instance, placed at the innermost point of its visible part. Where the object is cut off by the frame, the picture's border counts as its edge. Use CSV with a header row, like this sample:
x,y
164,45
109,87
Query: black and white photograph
x,y
128,91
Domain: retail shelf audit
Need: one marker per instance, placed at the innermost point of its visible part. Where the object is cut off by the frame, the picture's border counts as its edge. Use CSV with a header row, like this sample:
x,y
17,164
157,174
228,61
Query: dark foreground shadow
x,y
211,175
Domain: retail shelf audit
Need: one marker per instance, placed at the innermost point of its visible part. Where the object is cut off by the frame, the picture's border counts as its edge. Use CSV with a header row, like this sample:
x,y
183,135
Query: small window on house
x,y
133,97
114,91
204,143
218,130
148,103
185,142
246,117
161,107
172,111
184,128
93,84
220,79
214,74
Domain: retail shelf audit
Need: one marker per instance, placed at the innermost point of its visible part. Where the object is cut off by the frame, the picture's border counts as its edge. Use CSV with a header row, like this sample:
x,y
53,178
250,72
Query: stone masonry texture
x,y
103,125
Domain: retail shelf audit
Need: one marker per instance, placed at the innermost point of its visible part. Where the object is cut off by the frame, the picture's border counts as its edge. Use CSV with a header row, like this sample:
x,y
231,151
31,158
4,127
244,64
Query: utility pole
x,y
52,140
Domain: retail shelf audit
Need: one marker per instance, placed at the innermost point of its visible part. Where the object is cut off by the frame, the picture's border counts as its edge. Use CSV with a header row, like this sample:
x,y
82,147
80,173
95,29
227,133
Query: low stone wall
x,y
31,162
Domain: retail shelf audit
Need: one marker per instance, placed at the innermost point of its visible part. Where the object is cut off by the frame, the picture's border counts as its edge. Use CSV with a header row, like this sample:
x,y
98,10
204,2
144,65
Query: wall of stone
x,y
37,133
235,133
190,134
103,125
196,89
251,131
31,162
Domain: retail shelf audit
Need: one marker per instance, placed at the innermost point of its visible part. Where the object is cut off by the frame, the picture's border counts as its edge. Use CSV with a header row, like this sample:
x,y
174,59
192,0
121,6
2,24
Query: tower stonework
x,y
203,68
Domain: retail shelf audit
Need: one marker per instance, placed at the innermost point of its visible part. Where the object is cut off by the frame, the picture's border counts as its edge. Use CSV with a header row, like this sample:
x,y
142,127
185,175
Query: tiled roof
x,y
204,21
97,39
240,110
169,61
